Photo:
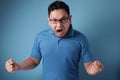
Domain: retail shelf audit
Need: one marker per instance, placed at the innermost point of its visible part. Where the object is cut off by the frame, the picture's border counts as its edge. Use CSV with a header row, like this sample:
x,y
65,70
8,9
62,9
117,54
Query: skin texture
x,y
93,67
58,15
28,64
60,22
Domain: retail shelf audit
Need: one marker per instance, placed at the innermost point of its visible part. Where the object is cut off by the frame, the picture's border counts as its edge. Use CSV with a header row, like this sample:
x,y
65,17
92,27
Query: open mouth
x,y
59,30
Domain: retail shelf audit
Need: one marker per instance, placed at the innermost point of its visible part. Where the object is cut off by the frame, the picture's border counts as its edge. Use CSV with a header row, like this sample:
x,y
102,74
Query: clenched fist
x,y
94,67
11,65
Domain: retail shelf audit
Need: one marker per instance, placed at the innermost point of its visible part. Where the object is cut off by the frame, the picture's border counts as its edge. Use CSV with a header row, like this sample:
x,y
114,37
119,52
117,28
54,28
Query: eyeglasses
x,y
62,20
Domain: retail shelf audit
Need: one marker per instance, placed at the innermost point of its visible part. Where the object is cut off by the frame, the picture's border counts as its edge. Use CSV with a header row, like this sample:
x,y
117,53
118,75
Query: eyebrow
x,y
60,18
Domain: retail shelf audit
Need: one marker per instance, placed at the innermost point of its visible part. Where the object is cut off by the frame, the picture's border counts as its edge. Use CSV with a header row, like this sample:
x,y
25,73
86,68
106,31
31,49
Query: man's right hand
x,y
11,65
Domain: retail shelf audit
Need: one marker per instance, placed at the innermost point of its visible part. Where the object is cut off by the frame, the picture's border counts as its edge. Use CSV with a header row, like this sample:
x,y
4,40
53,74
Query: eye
x,y
64,20
54,21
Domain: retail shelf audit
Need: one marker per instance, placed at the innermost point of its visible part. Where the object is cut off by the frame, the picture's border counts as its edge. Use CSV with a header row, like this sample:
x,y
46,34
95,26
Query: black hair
x,y
58,5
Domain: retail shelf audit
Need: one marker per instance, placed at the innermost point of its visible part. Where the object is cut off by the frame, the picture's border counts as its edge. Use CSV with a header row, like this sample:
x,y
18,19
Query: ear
x,y
70,18
48,20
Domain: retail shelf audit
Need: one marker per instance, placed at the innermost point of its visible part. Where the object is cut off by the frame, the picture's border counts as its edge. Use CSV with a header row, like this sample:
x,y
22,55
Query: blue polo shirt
x,y
61,56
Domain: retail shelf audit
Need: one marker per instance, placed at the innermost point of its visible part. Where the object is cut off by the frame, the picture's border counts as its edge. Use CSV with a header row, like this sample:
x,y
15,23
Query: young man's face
x,y
60,22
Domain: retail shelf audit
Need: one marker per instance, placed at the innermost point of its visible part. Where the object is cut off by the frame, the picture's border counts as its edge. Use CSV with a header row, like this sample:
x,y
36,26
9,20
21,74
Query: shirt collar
x,y
70,32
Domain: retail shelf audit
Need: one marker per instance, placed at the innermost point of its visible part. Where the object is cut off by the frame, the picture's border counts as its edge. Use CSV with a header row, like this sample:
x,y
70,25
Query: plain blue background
x,y
21,20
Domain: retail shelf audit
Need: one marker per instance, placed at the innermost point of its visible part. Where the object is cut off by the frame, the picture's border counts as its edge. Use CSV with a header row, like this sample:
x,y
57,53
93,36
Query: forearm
x,y
28,64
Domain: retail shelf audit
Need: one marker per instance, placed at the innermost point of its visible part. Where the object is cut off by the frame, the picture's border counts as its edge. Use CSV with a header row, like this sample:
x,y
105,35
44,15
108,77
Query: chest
x,y
61,49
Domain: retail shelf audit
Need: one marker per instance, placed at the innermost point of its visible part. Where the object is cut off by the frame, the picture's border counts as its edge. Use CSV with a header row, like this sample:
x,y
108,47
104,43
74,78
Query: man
x,y
60,47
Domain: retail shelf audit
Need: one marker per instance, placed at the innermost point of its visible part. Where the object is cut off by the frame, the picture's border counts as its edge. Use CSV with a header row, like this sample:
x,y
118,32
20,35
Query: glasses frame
x,y
63,20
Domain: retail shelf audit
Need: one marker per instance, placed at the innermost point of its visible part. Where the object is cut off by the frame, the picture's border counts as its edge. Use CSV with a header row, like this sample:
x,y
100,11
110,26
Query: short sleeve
x,y
36,53
86,55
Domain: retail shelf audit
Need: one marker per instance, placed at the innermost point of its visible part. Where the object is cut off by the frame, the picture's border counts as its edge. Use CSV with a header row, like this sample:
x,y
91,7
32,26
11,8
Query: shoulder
x,y
79,35
42,34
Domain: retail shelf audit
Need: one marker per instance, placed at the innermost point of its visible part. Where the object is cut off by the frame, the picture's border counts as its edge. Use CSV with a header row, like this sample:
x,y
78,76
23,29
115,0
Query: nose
x,y
59,24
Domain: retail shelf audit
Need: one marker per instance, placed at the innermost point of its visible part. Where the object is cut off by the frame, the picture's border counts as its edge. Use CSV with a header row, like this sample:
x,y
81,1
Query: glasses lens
x,y
62,20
